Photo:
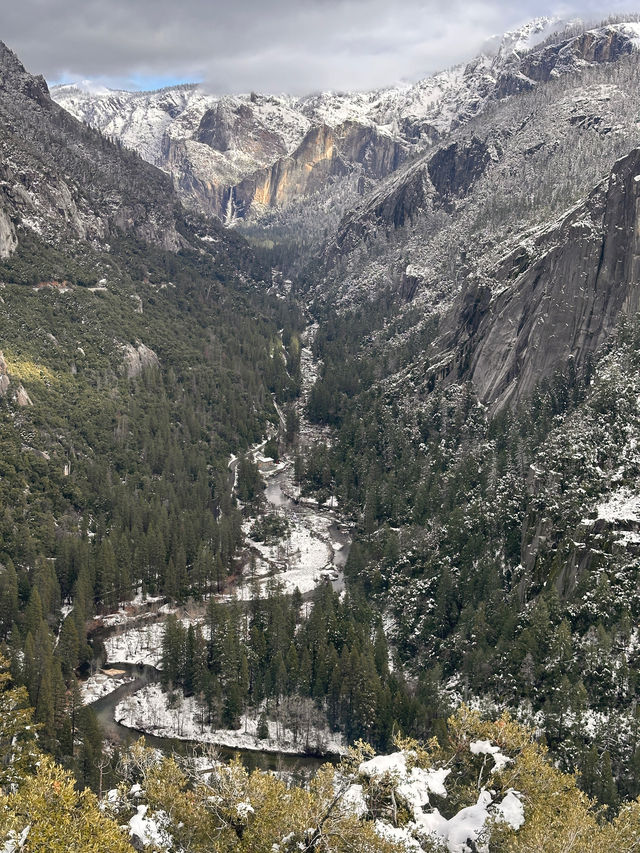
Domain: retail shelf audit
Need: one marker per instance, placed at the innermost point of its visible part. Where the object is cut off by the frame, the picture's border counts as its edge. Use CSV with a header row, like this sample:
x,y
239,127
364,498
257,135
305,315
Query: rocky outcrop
x,y
8,238
558,296
324,153
437,180
594,47
230,125
5,381
21,397
137,359
455,168
607,44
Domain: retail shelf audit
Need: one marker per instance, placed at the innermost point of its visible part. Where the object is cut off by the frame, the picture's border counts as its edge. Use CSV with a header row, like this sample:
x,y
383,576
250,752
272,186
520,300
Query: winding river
x,y
123,736
334,536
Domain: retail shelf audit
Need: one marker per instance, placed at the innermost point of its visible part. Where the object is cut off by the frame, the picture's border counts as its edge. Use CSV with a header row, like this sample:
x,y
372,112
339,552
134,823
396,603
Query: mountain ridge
x,y
169,127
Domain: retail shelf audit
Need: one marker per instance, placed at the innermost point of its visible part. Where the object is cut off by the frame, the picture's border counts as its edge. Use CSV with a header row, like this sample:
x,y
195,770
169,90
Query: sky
x,y
273,46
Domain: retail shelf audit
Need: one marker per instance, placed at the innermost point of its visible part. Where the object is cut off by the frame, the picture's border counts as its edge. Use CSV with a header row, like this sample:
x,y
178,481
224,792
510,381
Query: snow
x,y
15,841
415,786
511,810
354,801
396,763
397,835
466,825
137,645
621,506
103,683
485,747
150,830
148,711
244,810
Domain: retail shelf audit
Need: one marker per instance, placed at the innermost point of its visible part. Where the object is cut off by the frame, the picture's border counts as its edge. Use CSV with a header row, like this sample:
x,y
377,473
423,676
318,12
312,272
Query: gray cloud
x,y
296,46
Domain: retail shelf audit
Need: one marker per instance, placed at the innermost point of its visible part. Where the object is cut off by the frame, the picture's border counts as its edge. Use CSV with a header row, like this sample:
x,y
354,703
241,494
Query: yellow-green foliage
x,y
27,371
251,812
18,751
60,819
559,817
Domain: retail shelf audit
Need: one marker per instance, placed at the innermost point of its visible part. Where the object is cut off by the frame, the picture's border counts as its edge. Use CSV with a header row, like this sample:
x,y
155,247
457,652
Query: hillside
x,y
370,483
244,156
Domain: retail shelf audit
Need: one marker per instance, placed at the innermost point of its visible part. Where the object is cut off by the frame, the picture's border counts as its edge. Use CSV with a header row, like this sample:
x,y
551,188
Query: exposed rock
x,y
224,153
41,454
21,397
138,358
8,239
454,169
606,44
559,297
5,381
230,125
60,181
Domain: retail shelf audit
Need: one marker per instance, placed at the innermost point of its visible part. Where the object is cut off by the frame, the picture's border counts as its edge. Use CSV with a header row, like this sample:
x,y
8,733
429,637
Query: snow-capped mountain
x,y
240,155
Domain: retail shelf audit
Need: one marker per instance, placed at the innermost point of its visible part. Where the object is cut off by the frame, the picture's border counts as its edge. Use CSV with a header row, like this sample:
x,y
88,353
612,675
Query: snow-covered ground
x,y
299,559
148,711
137,645
136,608
102,683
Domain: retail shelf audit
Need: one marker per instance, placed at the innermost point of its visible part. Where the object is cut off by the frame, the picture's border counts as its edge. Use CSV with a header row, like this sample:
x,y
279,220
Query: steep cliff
x,y
224,152
62,180
557,296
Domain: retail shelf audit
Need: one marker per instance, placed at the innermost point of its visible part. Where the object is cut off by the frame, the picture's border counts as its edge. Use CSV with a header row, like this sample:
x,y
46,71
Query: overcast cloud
x,y
295,46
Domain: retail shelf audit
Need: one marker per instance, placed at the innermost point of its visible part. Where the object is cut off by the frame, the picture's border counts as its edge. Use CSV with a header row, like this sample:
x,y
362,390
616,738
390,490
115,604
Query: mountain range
x,y
438,282
240,156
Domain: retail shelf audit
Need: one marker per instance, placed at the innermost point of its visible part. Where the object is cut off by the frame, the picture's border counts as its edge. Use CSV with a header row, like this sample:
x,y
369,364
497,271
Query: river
x,y
121,735
316,548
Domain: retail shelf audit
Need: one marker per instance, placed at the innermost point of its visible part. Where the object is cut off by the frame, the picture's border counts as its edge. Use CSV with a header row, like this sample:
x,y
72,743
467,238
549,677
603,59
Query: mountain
x,y
495,208
242,156
557,297
61,180
455,364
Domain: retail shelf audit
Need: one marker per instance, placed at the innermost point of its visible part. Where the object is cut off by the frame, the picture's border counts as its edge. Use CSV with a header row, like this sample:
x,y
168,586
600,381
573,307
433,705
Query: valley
x,y
319,423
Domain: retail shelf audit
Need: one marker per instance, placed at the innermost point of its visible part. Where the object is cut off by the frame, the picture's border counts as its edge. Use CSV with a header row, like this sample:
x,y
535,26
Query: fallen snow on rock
x,y
150,830
103,683
149,710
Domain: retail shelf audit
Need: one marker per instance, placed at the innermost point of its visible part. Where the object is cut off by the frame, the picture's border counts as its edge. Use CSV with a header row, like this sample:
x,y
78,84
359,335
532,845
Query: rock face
x,y
5,381
556,297
454,169
21,397
241,156
137,359
324,153
63,182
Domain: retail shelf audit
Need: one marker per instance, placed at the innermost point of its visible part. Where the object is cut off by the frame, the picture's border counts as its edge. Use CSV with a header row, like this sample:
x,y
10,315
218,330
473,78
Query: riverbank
x,y
152,711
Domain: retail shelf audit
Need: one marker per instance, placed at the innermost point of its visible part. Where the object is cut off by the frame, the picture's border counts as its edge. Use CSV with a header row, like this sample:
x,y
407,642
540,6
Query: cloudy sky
x,y
296,46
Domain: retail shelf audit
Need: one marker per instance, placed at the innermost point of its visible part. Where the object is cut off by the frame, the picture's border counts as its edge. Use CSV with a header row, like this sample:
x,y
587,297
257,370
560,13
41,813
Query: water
x,y
123,736
298,513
